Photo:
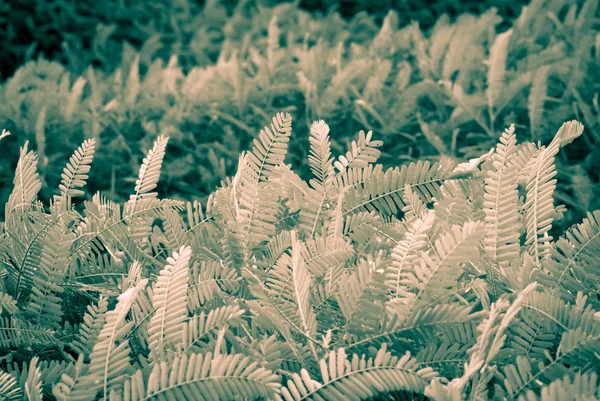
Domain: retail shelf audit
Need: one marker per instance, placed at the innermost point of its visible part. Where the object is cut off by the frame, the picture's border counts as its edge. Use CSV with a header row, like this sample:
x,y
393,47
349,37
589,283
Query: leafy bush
x,y
79,32
443,93
435,281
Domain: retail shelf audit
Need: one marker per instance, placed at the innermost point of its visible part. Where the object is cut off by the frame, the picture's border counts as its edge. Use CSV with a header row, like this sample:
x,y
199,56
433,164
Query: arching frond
x,y
539,205
361,154
93,321
319,158
407,252
44,306
109,361
497,68
382,192
198,326
358,379
192,377
170,301
258,208
574,259
149,173
500,204
27,183
75,173
9,388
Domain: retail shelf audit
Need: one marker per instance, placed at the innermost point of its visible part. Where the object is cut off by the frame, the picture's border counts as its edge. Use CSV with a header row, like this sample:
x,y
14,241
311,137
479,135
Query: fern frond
x,y
8,304
501,202
210,280
539,205
302,281
573,262
362,297
361,154
9,388
109,361
537,97
93,321
198,326
27,183
33,386
439,270
382,192
149,173
497,69
44,306
258,209
75,173
358,379
17,334
319,158
63,387
174,229
406,253
580,387
324,255
197,376
170,301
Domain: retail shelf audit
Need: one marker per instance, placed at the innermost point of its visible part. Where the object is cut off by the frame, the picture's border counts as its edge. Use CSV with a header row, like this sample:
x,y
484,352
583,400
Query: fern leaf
x,y
501,202
9,388
170,302
75,173
573,262
210,281
358,378
93,321
406,253
109,360
200,325
258,207
302,284
539,205
361,154
537,96
33,386
382,192
150,172
27,183
44,306
319,157
437,272
197,376
582,386
497,68
15,333
363,297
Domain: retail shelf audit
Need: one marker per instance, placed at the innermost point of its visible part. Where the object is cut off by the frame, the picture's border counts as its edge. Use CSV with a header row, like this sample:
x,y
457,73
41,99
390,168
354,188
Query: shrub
x,y
430,280
442,93
76,33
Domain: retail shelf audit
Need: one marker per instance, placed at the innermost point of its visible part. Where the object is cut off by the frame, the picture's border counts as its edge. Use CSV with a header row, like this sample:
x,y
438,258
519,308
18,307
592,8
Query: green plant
x,y
78,33
436,281
428,94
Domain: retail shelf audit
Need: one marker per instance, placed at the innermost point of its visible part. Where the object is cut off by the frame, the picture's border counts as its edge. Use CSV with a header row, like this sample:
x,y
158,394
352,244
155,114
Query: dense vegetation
x,y
447,91
431,256
435,281
75,32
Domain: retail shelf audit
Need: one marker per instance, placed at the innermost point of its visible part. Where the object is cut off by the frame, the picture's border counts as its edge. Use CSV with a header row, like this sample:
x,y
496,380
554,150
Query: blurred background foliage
x,y
445,79
79,32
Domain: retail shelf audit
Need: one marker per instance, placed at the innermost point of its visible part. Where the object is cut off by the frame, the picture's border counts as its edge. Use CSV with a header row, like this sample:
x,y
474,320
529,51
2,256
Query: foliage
x,y
425,281
427,93
79,32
